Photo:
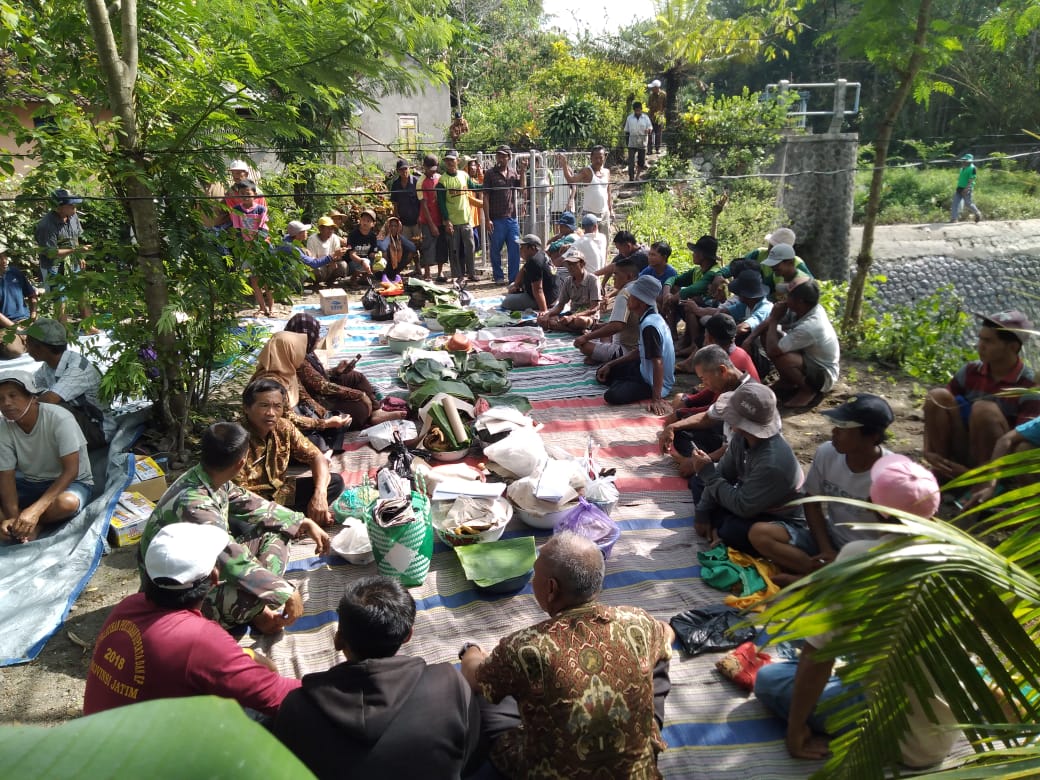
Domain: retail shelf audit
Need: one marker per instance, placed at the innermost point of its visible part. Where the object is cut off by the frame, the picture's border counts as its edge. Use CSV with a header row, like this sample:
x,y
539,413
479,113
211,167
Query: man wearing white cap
x,y
755,479
157,645
649,372
794,690
656,103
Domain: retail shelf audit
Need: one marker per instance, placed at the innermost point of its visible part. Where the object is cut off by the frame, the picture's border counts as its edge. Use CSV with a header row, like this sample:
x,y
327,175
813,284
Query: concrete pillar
x,y
816,192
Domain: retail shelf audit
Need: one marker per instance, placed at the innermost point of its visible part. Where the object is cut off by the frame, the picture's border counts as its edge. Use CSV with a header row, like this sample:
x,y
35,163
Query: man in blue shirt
x,y
17,303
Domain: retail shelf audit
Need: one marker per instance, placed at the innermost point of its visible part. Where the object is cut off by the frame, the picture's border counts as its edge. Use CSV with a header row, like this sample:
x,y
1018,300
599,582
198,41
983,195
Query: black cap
x,y
862,411
402,164
749,284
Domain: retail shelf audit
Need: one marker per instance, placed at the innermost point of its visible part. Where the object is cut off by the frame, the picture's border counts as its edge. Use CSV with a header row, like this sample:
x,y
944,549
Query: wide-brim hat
x,y
749,284
752,408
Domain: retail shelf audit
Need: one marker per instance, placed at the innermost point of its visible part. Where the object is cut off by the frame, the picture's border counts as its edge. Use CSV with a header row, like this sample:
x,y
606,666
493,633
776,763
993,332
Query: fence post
x,y
838,112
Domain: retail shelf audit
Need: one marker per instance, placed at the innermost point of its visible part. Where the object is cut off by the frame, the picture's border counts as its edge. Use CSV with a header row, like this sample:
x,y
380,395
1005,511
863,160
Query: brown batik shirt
x,y
584,684
267,461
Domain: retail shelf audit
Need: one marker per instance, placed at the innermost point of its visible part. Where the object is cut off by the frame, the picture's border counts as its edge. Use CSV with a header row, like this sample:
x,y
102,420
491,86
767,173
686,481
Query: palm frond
x,y
929,611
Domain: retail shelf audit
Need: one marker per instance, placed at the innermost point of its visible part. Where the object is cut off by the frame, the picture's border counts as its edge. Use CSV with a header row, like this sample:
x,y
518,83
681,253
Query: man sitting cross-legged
x,y
45,475
252,589
648,373
579,289
964,420
380,714
580,695
840,468
756,478
273,442
156,644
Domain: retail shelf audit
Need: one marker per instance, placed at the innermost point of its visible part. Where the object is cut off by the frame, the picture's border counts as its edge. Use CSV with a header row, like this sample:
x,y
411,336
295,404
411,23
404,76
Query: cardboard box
x,y
135,504
126,527
333,301
149,479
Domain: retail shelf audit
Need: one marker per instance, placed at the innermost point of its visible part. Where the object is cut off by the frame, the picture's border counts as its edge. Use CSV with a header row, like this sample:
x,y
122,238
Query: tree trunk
x,y
865,258
120,72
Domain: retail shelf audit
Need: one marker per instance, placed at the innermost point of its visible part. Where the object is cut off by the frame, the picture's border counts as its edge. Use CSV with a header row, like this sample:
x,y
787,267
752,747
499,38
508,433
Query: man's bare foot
x,y
379,416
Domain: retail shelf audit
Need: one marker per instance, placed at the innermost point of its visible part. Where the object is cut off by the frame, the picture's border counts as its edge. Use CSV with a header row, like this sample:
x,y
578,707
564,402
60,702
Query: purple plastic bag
x,y
590,521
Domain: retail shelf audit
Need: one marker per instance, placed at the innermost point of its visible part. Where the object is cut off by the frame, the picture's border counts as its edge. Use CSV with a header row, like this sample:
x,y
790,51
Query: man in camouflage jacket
x,y
252,588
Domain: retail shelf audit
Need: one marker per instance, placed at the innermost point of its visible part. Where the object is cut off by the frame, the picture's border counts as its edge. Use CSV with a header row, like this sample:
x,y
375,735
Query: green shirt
x,y
695,282
456,199
966,178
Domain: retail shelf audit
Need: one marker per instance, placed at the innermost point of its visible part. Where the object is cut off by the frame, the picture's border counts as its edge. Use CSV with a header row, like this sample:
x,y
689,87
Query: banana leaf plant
x,y
935,610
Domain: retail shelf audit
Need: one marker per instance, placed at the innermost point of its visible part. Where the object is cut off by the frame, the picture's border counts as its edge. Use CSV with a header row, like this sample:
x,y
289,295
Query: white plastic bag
x,y
521,453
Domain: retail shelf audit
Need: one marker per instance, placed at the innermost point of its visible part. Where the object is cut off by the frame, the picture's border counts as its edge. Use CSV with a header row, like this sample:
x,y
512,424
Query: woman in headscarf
x,y
342,389
278,360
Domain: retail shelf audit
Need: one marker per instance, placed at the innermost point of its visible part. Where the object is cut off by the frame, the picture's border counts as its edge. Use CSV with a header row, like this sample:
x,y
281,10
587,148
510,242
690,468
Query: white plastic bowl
x,y
545,521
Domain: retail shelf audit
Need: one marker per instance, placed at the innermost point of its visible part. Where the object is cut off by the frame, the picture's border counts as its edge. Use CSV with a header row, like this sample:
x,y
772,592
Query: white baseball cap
x,y
654,83
181,554
296,227
238,165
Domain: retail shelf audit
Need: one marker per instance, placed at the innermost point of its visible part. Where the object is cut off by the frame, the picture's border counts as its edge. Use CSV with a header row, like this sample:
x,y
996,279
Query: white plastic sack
x,y
407,314
382,436
522,452
407,331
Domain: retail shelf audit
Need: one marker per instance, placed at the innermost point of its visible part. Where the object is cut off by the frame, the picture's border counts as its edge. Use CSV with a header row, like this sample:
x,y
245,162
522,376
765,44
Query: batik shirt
x,y
268,458
584,684
194,499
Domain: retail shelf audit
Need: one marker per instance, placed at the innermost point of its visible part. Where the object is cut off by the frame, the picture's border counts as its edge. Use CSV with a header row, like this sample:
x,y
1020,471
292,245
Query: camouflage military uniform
x,y
259,532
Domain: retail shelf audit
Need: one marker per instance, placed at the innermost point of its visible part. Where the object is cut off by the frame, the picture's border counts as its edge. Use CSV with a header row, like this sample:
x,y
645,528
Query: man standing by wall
x,y
405,199
453,199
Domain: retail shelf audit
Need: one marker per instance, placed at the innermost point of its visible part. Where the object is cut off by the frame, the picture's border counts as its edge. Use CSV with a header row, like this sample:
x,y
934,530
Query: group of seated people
x,y
648,325
213,555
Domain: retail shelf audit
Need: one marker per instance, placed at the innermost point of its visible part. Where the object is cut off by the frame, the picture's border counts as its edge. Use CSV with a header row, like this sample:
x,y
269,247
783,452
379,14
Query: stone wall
x,y
816,191
992,266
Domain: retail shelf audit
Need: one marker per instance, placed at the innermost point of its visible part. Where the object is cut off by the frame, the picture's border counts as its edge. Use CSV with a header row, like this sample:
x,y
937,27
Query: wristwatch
x,y
465,648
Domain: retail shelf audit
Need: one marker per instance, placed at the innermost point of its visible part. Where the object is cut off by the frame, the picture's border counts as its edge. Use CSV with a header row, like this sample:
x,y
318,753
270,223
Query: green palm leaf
x,y
926,611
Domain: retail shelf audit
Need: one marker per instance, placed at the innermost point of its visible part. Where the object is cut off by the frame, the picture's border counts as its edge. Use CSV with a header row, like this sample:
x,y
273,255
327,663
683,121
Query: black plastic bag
x,y
417,299
371,298
399,458
710,629
384,309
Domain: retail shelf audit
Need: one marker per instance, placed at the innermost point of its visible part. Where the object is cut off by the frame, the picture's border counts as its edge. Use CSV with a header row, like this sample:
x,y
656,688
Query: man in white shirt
x,y
592,244
597,196
68,379
798,691
637,130
326,241
806,352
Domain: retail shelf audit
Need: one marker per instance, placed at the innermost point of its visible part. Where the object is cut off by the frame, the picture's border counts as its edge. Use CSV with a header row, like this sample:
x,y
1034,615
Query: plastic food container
x,y
352,544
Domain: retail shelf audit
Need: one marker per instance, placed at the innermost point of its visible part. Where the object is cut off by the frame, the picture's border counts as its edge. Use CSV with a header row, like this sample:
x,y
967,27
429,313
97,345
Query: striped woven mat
x,y
713,729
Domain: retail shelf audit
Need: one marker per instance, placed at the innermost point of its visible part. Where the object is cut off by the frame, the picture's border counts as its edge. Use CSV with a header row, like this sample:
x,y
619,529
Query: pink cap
x,y
900,483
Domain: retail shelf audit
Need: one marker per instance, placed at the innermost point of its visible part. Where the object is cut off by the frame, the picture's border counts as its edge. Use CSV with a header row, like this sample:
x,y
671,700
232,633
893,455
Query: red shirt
x,y
429,194
144,652
975,382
